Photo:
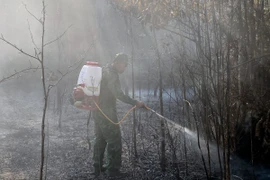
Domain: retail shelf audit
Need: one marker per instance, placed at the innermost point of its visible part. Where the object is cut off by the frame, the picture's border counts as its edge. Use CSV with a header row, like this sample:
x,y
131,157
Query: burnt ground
x,y
68,154
67,149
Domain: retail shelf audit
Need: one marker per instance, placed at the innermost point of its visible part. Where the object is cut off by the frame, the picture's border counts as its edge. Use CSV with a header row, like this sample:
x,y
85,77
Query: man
x,y
108,134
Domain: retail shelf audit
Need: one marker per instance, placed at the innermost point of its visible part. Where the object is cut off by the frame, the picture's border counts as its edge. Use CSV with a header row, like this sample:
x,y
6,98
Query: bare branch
x,y
254,59
17,73
69,70
31,13
78,63
32,38
237,177
179,34
36,53
59,37
13,45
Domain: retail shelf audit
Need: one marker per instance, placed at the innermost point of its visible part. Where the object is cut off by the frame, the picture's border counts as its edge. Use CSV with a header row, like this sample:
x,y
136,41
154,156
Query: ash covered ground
x,y
67,151
68,148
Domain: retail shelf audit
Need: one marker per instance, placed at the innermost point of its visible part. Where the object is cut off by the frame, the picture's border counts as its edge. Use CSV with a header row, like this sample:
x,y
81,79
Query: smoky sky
x,y
94,31
22,29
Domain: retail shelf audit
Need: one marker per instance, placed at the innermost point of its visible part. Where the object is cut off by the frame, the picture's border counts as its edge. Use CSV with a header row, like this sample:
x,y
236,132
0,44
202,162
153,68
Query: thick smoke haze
x,y
22,29
89,30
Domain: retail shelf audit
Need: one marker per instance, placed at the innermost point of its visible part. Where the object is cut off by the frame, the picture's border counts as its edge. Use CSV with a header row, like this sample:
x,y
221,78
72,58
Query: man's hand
x,y
140,104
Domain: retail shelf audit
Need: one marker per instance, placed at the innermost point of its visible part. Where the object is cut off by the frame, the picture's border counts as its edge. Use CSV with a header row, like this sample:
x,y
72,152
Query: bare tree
x,y
39,57
230,41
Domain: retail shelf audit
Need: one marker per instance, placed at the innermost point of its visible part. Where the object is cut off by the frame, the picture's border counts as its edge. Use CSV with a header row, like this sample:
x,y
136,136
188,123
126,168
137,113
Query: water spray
x,y
177,126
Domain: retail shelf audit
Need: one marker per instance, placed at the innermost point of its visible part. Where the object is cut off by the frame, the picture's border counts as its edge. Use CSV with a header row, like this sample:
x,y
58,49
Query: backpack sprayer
x,y
86,93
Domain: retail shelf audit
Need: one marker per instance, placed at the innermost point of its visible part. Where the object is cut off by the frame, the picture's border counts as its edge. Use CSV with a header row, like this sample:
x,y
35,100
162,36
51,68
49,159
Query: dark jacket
x,y
110,89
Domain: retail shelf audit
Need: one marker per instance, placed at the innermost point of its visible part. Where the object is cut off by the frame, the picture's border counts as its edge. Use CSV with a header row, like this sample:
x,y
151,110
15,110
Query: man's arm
x,y
115,87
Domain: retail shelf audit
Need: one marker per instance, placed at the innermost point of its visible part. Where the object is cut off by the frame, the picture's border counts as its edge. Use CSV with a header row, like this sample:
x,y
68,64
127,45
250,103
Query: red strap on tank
x,y
90,108
92,63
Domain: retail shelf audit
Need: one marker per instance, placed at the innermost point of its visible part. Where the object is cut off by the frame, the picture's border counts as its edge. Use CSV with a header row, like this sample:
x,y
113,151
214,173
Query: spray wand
x,y
181,128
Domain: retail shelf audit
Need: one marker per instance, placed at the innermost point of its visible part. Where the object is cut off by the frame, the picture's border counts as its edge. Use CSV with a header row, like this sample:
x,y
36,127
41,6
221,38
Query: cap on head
x,y
121,57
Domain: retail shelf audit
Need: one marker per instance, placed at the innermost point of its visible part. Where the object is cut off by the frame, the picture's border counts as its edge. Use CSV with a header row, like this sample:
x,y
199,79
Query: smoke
x,y
90,30
20,26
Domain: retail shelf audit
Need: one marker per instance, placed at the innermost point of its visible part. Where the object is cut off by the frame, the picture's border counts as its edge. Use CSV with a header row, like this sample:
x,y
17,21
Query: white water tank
x,y
90,78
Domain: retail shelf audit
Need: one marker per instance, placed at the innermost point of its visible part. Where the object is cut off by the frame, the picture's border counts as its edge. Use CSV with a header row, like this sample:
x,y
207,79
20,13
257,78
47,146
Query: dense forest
x,y
203,65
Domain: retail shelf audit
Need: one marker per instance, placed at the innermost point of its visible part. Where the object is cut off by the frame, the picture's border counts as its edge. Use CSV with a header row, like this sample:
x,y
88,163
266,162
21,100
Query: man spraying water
x,y
108,134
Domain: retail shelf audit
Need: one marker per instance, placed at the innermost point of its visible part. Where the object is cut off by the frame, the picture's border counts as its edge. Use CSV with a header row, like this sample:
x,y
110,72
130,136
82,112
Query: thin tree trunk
x,y
162,123
133,92
185,124
45,94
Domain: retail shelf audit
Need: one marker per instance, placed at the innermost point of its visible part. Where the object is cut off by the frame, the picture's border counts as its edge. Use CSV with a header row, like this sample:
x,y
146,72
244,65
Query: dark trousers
x,y
107,135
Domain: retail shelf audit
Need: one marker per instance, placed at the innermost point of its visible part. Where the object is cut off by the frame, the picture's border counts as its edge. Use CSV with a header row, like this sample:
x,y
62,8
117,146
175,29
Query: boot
x,y
114,174
97,172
